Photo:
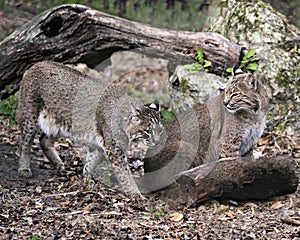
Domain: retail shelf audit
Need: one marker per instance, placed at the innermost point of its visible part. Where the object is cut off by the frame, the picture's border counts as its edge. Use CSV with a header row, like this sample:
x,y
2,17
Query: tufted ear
x,y
134,111
221,90
155,106
236,70
253,83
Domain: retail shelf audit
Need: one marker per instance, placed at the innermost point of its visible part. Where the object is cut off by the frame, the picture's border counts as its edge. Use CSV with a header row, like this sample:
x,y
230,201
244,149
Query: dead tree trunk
x,y
75,33
235,179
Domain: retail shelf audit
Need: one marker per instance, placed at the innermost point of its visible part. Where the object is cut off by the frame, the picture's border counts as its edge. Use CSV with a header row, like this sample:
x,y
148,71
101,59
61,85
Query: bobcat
x,y
63,102
229,125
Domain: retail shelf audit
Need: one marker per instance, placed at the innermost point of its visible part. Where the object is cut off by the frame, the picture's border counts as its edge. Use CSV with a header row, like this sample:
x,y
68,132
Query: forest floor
x,y
49,206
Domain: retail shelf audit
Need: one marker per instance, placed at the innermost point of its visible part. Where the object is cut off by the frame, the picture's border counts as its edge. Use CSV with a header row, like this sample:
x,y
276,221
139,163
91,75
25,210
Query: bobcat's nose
x,y
158,134
156,139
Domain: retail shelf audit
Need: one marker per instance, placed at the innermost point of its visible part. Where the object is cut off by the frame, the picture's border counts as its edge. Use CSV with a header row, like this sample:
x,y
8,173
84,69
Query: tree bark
x,y
75,33
237,179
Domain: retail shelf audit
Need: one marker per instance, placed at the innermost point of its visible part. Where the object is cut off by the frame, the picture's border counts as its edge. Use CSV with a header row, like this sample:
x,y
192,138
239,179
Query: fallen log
x,y
236,179
75,33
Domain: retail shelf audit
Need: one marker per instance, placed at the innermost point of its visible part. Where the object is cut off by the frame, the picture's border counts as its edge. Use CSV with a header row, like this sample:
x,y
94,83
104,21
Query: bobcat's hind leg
x,y
28,132
47,145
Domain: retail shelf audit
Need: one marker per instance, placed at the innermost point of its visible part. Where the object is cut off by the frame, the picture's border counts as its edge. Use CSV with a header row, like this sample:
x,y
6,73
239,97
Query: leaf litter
x,y
50,206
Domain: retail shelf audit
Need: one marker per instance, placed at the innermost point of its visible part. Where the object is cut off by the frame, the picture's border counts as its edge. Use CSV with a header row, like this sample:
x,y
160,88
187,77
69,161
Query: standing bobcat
x,y
229,125
63,102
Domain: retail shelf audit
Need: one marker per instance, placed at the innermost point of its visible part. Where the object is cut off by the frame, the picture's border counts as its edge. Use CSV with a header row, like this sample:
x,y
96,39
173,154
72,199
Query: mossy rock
x,y
188,88
256,25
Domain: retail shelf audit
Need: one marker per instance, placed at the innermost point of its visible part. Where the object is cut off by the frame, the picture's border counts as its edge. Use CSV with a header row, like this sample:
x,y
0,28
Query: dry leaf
x,y
176,217
51,220
61,144
277,205
14,127
65,202
8,141
38,189
230,214
73,178
89,207
38,206
297,147
31,212
264,140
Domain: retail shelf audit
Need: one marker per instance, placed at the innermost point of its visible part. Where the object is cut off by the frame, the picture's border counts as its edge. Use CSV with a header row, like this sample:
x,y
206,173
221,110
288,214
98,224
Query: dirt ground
x,y
49,206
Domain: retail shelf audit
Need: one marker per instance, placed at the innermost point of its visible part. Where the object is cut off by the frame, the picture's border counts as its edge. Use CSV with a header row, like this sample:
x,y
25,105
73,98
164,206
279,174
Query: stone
x,y
188,88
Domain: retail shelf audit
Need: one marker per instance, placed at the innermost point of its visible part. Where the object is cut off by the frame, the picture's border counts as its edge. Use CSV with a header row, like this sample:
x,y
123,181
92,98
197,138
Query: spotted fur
x,y
62,102
228,125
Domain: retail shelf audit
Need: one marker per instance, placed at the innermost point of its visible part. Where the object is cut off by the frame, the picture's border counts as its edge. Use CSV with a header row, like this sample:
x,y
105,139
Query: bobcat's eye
x,y
146,134
234,95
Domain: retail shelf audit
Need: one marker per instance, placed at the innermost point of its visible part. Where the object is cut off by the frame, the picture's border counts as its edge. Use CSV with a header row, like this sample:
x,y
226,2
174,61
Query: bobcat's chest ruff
x,y
251,136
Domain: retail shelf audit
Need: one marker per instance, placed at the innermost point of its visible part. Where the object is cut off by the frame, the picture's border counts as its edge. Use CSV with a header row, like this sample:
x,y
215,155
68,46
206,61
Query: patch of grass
x,y
157,212
8,108
106,179
180,15
167,116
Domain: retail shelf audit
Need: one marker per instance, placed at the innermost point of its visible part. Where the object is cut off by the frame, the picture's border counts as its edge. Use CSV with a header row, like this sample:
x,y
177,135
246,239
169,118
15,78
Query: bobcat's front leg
x,y
235,147
231,146
126,181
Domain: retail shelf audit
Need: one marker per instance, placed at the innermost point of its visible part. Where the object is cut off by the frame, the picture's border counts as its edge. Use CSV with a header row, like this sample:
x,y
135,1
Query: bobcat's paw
x,y
25,172
60,168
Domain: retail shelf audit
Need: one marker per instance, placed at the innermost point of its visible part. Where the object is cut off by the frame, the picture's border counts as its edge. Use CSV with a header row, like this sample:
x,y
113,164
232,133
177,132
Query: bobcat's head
x,y
144,130
245,93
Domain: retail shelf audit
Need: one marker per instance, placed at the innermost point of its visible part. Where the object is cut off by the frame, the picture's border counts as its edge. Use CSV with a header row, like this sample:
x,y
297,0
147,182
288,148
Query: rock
x,y
187,88
256,25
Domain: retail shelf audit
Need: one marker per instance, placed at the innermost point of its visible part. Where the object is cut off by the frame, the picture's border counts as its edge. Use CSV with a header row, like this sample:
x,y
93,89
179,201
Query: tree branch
x,y
75,33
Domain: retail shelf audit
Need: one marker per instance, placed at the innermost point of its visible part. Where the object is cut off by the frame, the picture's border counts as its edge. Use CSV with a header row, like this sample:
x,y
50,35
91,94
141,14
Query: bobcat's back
x,y
49,88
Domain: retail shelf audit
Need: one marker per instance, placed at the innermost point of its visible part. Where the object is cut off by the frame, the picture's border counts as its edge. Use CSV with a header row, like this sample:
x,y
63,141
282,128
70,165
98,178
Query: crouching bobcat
x,y
63,102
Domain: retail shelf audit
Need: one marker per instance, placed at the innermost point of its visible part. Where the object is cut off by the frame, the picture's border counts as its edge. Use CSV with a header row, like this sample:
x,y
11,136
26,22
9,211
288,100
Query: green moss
x,y
283,78
184,85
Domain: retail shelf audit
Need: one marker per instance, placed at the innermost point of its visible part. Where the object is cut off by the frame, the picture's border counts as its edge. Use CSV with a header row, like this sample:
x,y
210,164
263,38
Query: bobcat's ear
x,y
135,117
236,70
221,90
155,106
134,111
253,83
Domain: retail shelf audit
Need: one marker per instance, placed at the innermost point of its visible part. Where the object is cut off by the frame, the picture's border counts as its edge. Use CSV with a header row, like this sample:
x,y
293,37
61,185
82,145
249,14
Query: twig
x,y
291,221
62,194
99,214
